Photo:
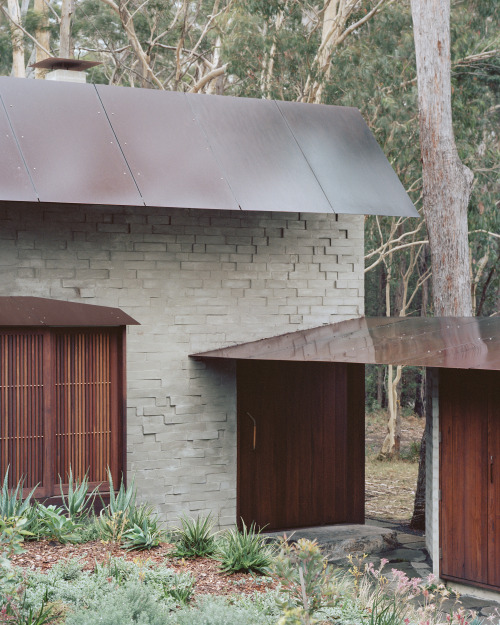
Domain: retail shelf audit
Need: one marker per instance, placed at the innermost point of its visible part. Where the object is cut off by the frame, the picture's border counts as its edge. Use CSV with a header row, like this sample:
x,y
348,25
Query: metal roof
x,y
38,311
447,342
93,144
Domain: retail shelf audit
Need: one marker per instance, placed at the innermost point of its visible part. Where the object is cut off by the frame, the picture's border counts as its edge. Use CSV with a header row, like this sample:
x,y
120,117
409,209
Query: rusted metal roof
x,y
350,167
67,143
38,311
259,155
90,144
15,183
448,342
168,153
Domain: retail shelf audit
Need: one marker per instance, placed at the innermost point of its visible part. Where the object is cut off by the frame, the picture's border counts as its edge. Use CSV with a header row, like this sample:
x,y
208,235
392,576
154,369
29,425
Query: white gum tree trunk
x,y
447,182
17,38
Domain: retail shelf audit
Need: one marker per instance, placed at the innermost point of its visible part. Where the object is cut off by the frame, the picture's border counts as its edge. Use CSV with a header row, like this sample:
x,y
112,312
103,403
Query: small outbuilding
x,y
301,430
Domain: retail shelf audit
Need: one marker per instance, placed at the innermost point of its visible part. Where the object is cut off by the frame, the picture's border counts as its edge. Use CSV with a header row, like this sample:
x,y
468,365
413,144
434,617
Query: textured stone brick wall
x,y
195,280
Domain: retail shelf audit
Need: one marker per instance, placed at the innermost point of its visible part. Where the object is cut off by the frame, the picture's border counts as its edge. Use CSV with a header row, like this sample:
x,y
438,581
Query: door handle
x,y
254,430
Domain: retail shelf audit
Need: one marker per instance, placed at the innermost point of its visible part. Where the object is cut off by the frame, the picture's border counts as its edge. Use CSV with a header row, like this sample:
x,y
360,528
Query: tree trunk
x,y
42,34
447,182
391,447
65,47
17,38
418,518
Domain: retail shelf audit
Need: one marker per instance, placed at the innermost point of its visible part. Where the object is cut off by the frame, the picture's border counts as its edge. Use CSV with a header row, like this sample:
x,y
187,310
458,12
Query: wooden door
x,y
470,476
300,443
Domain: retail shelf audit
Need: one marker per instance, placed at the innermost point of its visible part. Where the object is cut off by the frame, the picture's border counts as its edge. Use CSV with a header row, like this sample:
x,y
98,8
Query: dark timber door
x,y
300,443
469,409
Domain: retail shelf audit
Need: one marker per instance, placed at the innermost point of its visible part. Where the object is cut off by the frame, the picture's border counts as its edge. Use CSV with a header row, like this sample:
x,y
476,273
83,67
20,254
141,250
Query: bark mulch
x,y
42,555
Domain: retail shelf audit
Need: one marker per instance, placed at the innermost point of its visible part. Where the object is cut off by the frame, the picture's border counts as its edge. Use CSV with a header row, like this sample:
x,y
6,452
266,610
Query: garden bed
x,y
209,579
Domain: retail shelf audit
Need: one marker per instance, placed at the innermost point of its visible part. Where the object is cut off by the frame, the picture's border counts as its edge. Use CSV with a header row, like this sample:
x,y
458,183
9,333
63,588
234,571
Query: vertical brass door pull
x,y
254,431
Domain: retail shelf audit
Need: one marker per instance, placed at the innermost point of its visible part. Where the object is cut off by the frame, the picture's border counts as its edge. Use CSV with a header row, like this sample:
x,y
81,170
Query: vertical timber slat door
x,y
85,405
469,412
62,405
307,465
21,395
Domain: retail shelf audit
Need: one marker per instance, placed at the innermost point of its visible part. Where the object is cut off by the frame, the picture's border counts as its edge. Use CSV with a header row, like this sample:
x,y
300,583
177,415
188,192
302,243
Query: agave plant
x,y
78,498
12,504
195,538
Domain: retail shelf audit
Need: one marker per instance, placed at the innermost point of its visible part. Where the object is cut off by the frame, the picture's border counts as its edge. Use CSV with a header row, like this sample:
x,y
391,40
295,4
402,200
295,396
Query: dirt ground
x,y
390,485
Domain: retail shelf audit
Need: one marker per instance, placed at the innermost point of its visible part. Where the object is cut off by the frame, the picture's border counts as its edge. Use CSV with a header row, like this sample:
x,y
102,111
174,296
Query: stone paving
x,y
404,551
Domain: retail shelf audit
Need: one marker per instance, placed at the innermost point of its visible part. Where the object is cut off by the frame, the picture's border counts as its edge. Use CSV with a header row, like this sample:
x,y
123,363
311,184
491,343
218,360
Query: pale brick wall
x,y
195,280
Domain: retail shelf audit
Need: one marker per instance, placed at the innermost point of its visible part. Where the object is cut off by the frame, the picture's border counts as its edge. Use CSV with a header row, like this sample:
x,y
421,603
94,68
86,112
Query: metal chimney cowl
x,y
65,70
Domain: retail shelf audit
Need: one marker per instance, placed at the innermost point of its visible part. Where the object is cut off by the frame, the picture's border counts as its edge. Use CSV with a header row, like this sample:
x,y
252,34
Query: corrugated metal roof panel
x,y
258,155
449,342
347,160
166,149
15,183
38,311
67,143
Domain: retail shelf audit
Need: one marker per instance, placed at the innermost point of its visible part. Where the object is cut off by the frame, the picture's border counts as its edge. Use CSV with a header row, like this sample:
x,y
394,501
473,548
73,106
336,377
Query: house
x,y
197,222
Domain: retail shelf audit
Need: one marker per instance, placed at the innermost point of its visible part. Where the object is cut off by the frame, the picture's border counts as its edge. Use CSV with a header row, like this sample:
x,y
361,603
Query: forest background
x,y
345,52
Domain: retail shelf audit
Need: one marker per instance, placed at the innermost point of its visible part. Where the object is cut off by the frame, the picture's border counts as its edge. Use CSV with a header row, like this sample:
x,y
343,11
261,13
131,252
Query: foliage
x,y
114,519
80,589
12,504
77,500
307,581
195,538
11,538
210,610
131,604
55,525
145,532
245,550
121,502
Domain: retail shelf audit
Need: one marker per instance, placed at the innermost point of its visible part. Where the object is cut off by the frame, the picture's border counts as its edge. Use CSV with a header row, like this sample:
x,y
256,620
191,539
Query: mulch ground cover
x,y
42,555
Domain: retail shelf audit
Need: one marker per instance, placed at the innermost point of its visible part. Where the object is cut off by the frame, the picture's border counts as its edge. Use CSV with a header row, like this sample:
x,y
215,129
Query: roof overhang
x,y
90,144
39,311
447,342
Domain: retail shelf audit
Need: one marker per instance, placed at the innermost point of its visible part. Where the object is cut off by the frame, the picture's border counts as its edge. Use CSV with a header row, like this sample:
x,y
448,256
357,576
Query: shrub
x,y
114,519
131,604
195,538
77,500
245,551
221,611
55,525
11,500
307,581
144,531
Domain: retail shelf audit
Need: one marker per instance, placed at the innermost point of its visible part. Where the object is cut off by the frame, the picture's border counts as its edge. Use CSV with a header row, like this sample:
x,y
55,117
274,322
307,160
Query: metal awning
x,y
38,311
101,145
448,342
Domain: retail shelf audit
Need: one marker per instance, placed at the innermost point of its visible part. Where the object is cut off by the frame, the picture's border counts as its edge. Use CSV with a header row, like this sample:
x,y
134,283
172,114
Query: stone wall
x,y
195,280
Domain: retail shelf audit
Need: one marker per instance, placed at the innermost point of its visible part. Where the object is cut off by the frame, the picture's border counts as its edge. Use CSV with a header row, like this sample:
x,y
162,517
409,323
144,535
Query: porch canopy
x,y
447,342
40,311
90,144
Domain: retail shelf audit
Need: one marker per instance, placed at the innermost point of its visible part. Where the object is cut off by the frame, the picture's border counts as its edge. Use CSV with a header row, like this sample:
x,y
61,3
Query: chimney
x,y
66,70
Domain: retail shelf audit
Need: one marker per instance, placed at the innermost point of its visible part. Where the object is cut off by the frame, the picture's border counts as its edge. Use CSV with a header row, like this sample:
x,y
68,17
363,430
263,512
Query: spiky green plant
x,y
245,551
12,504
195,537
